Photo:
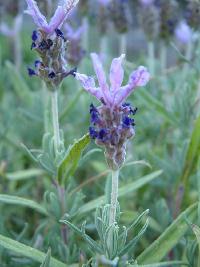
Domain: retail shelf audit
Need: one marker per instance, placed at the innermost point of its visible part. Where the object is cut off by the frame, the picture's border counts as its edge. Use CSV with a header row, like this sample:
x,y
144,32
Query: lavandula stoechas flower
x,y
149,18
50,43
118,14
112,124
168,18
103,16
183,33
75,52
193,14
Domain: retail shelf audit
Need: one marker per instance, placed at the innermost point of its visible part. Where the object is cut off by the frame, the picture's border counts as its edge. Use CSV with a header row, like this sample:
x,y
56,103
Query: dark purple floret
x,y
133,111
127,122
31,72
43,45
102,134
49,43
93,133
34,36
93,109
59,33
94,114
73,72
37,62
33,45
52,75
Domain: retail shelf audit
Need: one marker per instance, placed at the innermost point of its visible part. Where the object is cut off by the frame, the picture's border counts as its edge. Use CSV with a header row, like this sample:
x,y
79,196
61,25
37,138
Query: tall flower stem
x,y
56,130
122,43
151,57
114,196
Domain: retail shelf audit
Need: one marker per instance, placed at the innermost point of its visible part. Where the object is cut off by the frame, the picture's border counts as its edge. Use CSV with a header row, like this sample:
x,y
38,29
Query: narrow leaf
x,y
170,237
14,200
24,174
46,262
27,251
193,153
70,162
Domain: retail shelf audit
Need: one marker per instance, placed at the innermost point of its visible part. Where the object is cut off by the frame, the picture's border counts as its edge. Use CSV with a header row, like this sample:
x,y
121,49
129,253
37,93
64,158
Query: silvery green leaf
x,y
133,242
108,240
136,222
28,151
46,163
122,239
70,161
72,226
46,262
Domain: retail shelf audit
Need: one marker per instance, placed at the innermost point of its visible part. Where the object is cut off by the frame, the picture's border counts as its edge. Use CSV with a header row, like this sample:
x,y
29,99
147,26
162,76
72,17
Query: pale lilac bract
x,y
183,33
104,2
58,18
116,94
11,31
73,34
146,2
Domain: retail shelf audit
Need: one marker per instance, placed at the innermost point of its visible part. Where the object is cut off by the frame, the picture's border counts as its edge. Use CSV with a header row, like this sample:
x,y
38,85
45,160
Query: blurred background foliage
x,y
167,130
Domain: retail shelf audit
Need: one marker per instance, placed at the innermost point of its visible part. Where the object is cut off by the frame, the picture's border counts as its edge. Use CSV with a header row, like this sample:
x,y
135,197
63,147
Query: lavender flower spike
x,y
58,18
116,94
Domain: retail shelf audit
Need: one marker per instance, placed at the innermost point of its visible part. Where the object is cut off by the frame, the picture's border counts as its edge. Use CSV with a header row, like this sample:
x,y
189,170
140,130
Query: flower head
x,y
115,94
183,33
56,21
112,124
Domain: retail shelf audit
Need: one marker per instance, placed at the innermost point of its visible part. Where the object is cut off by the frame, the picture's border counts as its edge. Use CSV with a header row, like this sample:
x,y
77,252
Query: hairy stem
x,y
114,195
56,130
151,57
122,44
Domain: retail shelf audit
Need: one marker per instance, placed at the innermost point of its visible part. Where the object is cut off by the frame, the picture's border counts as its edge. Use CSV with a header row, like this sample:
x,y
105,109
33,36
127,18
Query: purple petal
x,y
61,14
139,77
116,73
101,76
57,19
37,16
88,84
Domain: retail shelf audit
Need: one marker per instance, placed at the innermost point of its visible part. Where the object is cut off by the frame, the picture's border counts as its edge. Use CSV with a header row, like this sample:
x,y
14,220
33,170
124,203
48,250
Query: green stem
x,y
114,196
151,57
122,44
163,57
56,130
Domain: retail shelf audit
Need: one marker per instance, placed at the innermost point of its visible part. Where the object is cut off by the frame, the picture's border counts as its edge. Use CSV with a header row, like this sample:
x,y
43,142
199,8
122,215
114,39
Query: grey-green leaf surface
x,y
14,200
24,174
46,262
193,152
28,252
163,264
70,162
169,238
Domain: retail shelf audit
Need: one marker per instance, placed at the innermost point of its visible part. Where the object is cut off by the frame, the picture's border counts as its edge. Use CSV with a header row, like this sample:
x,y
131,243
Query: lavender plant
x,y
49,42
112,125
64,186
